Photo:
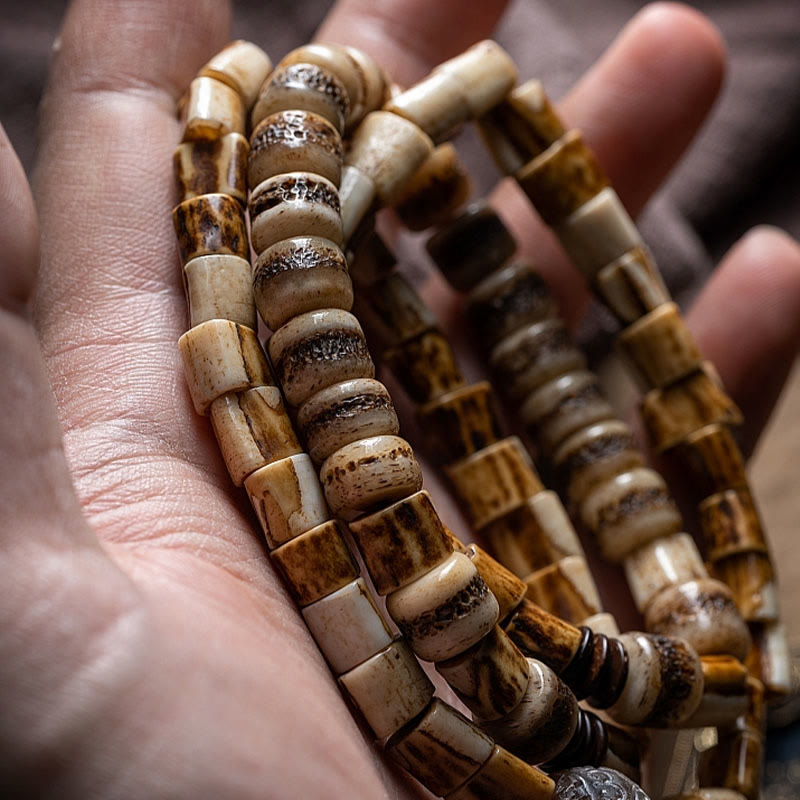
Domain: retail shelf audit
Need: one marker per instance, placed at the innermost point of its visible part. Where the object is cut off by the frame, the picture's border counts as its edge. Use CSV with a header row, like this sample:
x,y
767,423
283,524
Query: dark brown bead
x,y
210,224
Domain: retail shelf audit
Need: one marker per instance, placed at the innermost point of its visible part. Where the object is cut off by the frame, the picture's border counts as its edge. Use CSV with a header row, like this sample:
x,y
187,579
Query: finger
x,y
747,322
638,107
408,37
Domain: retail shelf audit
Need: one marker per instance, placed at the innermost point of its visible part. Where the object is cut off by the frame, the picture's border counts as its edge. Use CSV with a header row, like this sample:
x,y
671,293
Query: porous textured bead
x,y
446,610
210,224
219,287
212,109
218,357
243,66
211,166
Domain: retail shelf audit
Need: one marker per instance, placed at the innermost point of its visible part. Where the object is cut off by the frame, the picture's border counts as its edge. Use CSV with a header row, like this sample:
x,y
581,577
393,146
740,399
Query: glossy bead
x,y
252,430
210,166
445,611
595,783
243,66
508,589
724,692
211,224
770,659
357,193
287,498
218,357
368,474
219,287
212,109
751,578
731,524
299,275
566,589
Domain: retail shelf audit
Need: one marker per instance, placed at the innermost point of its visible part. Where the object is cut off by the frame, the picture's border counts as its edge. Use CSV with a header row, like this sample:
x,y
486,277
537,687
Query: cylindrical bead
x,y
220,356
211,224
724,692
243,66
368,474
219,287
357,193
445,611
769,657
508,589
714,460
751,578
317,349
402,542
252,430
210,166
287,498
211,110
566,589
731,524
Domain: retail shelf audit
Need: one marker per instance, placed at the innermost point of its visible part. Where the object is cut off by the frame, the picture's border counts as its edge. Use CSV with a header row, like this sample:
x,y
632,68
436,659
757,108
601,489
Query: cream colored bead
x,y
357,194
292,141
306,86
566,589
602,623
212,109
372,79
212,166
628,511
442,749
485,73
243,66
252,430
347,626
300,275
532,105
343,413
544,720
668,561
389,689
533,355
389,150
533,535
220,356
294,204
445,611
369,473
287,498
493,481
402,542
210,224
774,660
219,287
564,406
598,232
317,349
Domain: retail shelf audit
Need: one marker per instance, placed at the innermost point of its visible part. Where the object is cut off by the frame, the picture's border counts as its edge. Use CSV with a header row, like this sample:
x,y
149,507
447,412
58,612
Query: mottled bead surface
x,y
566,589
714,460
212,165
210,224
595,783
508,589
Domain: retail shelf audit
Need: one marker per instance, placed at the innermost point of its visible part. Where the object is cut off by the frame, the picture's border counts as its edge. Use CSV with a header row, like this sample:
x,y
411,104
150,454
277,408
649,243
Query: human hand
x,y
148,648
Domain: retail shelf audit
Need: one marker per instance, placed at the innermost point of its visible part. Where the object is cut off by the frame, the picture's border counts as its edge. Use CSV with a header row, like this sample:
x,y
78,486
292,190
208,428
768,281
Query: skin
x,y
148,649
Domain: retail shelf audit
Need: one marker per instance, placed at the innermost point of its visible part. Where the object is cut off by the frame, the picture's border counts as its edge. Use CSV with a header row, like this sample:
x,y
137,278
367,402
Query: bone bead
x,y
533,535
566,589
357,193
724,692
731,524
389,689
545,636
218,357
596,783
243,66
402,542
388,149
305,86
714,460
368,474
544,720
211,224
751,578
596,454
373,81
632,285
602,623
598,232
494,480
533,355
673,413
316,562
291,141
287,498
628,511
770,659
538,125
704,613
210,166
371,260
508,589
299,275
445,611
472,246
506,300
317,349
211,110
425,365
660,347
664,685
563,407
490,677
460,422
507,777
343,413
294,204
347,626
564,177
435,192
442,749
252,430
662,563
218,287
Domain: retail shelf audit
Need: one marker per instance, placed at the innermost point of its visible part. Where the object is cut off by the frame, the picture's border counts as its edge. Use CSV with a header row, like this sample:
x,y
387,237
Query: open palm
x,y
148,650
